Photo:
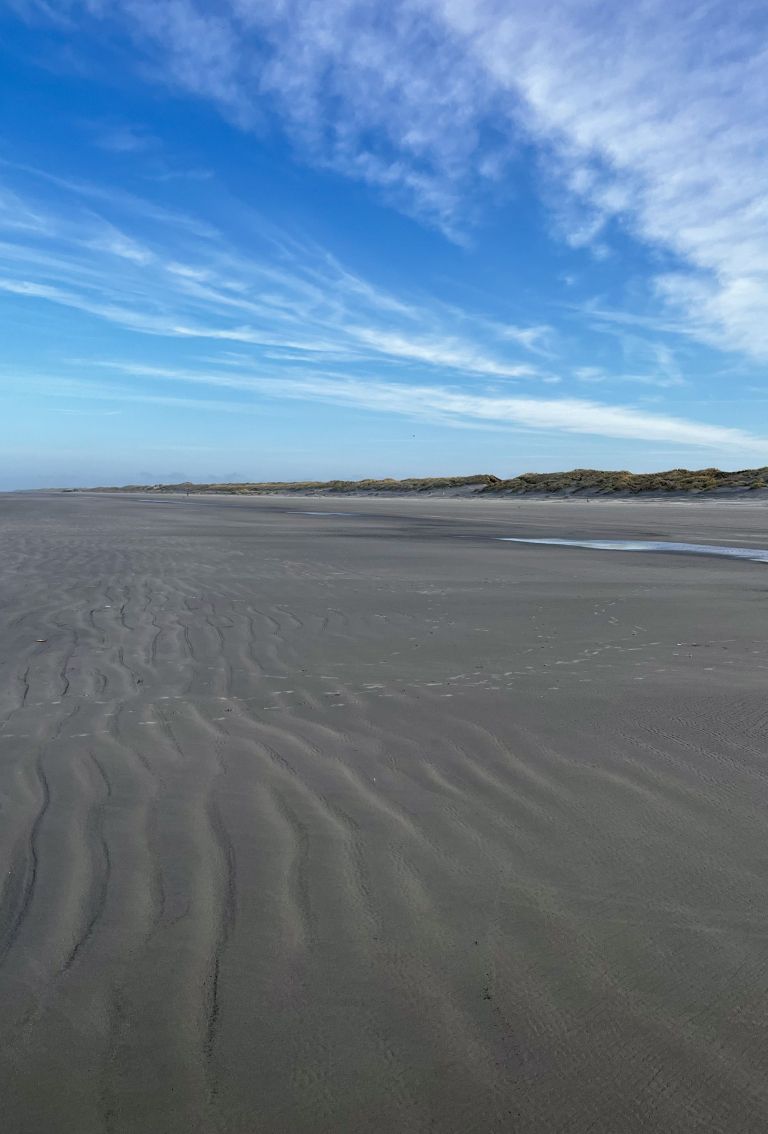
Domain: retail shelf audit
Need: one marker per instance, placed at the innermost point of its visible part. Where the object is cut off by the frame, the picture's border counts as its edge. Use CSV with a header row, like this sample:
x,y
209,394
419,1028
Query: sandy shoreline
x,y
371,822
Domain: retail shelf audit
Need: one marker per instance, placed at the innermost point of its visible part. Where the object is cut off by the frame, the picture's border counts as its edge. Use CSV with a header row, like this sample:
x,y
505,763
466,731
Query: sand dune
x,y
372,822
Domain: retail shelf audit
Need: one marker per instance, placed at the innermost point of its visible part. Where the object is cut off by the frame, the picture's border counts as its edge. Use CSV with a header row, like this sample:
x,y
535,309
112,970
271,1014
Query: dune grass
x,y
585,482
388,484
603,483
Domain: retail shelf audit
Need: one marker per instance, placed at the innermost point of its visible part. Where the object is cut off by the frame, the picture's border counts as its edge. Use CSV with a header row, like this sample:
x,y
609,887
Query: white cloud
x,y
446,352
301,303
124,139
116,243
654,115
448,405
659,115
643,117
280,294
655,362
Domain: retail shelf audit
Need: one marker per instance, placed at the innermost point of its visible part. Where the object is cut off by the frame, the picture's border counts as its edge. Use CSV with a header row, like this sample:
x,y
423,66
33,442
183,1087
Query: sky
x,y
291,239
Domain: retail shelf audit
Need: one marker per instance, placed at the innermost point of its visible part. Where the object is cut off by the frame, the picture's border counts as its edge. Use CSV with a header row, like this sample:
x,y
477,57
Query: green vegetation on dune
x,y
601,482
388,484
584,482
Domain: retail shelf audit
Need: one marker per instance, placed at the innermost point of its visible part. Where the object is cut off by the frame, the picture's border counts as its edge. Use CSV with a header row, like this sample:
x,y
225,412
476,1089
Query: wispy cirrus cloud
x,y
657,119
179,281
306,328
446,351
648,363
123,138
435,403
652,117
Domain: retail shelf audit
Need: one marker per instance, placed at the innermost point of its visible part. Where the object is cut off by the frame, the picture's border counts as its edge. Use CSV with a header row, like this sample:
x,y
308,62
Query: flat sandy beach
x,y
373,823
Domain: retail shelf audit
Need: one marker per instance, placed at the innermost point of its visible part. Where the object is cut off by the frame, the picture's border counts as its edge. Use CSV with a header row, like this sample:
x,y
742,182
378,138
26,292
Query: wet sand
x,y
374,823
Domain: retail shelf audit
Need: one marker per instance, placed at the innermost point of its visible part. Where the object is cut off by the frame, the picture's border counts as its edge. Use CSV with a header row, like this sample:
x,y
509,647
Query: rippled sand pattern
x,y
373,823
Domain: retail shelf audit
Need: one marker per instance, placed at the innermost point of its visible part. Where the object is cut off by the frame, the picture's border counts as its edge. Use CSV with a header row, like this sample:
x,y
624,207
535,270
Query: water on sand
x,y
756,554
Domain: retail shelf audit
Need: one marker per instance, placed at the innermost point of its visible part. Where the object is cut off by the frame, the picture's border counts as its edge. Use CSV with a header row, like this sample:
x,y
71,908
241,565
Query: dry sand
x,y
372,823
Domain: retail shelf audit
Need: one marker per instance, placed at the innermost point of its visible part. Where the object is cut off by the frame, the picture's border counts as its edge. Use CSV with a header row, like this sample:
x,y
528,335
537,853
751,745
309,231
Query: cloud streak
x,y
306,326
438,403
285,294
652,117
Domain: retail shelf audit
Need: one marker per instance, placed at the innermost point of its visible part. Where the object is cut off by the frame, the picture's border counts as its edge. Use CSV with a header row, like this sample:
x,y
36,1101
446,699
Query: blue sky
x,y
317,238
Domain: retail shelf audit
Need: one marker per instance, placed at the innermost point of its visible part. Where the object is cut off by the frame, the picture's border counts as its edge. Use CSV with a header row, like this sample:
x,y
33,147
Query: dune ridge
x,y
673,483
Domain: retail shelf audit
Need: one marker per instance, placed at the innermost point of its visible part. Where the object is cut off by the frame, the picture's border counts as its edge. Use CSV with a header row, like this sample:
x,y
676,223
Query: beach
x,y
324,815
